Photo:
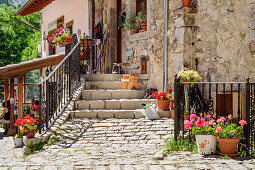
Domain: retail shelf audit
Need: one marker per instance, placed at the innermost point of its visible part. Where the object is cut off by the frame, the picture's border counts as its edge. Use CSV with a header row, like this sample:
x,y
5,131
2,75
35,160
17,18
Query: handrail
x,y
101,52
71,52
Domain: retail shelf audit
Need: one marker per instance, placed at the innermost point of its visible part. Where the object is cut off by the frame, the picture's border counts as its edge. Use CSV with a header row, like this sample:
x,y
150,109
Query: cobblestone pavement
x,y
111,144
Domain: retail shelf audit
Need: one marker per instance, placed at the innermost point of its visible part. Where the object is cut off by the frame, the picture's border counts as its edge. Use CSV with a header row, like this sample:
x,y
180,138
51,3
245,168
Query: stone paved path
x,y
111,144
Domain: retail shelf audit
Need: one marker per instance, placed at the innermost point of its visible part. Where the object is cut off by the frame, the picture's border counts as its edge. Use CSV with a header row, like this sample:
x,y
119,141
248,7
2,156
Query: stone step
x,y
112,94
122,104
117,114
102,77
103,85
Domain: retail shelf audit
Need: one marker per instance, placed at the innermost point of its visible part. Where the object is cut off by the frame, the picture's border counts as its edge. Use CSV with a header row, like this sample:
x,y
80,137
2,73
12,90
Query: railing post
x,y
248,112
40,109
176,107
47,103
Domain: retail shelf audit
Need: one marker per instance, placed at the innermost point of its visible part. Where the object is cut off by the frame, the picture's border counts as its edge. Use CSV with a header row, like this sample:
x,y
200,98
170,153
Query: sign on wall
x,y
52,25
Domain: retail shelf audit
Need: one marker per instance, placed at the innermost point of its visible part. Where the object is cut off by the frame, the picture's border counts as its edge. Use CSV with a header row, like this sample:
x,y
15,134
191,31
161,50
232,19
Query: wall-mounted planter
x,y
186,3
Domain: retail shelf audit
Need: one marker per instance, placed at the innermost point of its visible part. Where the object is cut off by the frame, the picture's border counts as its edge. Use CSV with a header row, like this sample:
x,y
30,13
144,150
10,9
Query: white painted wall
x,y
76,10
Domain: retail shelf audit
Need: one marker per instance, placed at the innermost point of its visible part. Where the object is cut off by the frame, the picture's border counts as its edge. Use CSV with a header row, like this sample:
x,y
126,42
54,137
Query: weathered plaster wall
x,y
76,10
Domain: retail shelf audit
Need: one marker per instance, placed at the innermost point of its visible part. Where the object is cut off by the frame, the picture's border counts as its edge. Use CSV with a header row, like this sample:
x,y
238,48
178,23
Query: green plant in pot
x,y
163,100
189,76
228,135
141,20
204,131
18,140
131,25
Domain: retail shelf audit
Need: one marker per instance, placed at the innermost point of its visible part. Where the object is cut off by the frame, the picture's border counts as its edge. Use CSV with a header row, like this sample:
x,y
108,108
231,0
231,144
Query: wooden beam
x,y
15,71
20,97
6,89
12,130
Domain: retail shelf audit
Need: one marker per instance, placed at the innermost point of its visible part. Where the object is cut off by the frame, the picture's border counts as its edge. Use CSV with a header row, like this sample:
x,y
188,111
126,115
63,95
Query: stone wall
x,y
214,37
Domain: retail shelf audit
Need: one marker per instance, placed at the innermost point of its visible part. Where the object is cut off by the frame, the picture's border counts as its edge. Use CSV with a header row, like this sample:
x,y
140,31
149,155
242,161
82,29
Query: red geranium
x,y
161,95
26,124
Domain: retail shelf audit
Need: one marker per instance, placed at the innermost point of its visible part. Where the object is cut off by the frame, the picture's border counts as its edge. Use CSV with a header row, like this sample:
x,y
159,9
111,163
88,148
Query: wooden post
x,y
20,97
12,130
6,89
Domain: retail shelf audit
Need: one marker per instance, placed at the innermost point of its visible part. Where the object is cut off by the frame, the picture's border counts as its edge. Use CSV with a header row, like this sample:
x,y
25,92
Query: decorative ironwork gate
x,y
218,99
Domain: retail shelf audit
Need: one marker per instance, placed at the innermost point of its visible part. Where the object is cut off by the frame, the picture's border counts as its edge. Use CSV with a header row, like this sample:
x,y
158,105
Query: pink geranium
x,y
218,129
193,116
242,122
230,116
211,122
208,116
188,125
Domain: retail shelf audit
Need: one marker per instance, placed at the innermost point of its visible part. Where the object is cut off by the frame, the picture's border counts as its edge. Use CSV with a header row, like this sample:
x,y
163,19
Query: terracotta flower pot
x,y
68,40
171,105
163,105
206,144
228,146
186,3
30,134
134,31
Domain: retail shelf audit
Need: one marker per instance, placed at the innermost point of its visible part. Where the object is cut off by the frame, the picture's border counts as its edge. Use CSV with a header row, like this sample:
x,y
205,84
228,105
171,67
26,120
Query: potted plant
x,y
27,126
86,41
131,24
228,135
163,100
186,3
18,140
61,37
204,131
141,19
189,76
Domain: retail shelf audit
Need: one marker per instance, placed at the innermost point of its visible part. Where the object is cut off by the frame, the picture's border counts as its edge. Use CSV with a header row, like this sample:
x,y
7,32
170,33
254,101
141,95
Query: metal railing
x,y
218,99
58,88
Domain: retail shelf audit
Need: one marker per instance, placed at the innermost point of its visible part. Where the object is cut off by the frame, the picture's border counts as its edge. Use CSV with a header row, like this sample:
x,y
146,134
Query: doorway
x,y
119,33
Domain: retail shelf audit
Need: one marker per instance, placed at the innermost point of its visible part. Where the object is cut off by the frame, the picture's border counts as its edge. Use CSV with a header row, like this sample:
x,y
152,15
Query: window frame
x,y
137,6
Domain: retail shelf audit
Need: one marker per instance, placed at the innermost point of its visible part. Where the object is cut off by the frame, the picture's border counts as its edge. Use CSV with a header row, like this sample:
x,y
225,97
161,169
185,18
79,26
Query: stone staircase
x,y
104,98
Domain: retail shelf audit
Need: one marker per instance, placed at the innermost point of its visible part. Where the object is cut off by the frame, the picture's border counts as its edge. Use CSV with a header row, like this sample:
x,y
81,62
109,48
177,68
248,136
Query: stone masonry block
x,y
122,114
105,115
99,95
112,104
97,104
120,94
164,114
139,114
82,105
90,115
127,104
86,95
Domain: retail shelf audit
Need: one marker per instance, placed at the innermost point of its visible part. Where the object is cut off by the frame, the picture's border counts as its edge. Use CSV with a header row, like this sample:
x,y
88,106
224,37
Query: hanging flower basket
x,y
68,40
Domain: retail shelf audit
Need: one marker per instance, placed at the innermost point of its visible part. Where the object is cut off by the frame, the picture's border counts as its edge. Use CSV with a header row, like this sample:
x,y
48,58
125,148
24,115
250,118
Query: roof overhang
x,y
32,6
15,70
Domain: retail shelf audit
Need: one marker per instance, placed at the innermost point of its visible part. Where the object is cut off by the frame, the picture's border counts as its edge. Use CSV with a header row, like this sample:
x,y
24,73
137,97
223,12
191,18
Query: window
x,y
60,22
69,26
141,6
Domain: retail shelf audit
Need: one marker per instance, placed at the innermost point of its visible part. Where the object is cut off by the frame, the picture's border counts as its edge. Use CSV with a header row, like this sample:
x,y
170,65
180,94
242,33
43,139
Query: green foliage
x,y
53,140
130,23
172,145
35,148
141,17
17,42
230,131
203,130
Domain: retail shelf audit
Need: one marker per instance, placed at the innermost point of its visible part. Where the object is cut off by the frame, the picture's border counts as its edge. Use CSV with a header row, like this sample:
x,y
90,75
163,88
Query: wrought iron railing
x,y
218,99
58,88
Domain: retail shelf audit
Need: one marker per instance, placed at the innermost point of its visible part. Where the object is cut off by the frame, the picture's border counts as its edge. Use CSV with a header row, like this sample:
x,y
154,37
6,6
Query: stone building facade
x,y
214,37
